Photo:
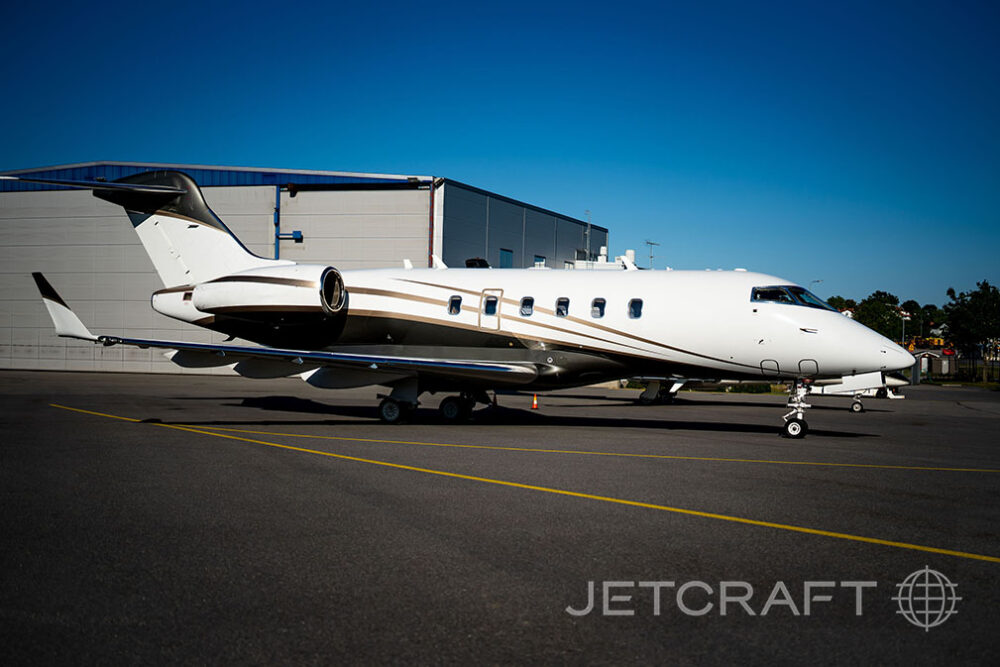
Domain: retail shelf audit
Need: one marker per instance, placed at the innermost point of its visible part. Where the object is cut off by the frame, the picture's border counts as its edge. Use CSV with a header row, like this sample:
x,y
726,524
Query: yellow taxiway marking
x,y
593,453
91,412
572,494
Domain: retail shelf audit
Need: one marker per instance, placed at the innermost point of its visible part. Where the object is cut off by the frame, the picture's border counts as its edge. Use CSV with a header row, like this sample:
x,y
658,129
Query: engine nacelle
x,y
295,289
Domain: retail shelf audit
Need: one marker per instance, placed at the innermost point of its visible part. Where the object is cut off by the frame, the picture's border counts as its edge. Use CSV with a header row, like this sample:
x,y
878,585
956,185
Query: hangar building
x,y
89,252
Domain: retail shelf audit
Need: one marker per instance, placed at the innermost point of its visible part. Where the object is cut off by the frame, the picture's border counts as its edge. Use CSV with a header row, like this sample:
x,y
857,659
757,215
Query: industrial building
x,y
90,253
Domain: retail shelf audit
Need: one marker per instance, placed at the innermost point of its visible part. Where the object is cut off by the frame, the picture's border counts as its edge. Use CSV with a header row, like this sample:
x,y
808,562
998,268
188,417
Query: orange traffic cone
x,y
534,401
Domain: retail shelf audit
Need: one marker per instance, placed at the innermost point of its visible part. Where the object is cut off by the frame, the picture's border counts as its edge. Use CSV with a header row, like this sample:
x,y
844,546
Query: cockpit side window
x,y
807,298
790,294
777,294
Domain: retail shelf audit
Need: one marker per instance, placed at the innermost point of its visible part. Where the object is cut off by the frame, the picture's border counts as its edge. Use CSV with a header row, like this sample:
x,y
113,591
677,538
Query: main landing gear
x,y
398,408
795,423
456,409
393,411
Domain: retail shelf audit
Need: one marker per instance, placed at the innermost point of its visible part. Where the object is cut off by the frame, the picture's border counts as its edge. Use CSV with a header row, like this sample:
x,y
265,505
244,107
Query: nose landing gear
x,y
795,425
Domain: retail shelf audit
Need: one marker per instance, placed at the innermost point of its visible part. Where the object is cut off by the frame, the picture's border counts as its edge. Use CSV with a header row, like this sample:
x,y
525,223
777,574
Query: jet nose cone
x,y
896,358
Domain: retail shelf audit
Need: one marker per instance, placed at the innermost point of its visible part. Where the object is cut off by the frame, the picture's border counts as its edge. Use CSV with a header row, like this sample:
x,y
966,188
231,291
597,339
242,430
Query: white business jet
x,y
468,331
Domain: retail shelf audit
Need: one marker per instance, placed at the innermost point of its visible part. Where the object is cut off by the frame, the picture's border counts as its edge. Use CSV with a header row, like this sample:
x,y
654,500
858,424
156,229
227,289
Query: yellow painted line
x,y
592,453
607,499
576,494
91,412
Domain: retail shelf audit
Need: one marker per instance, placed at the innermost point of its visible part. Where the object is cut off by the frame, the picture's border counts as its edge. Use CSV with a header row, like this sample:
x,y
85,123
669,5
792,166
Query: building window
x,y
527,306
562,307
454,305
635,309
506,258
490,305
597,308
539,260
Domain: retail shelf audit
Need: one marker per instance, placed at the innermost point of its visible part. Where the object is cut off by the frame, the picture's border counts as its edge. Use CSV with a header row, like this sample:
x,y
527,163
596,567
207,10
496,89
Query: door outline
x,y
491,322
770,368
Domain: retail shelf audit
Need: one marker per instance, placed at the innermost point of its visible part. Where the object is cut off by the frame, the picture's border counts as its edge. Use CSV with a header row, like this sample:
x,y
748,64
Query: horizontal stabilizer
x,y
66,323
101,185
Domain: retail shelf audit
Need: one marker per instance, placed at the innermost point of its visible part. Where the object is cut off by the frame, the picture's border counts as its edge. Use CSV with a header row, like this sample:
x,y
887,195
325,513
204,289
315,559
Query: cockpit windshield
x,y
790,294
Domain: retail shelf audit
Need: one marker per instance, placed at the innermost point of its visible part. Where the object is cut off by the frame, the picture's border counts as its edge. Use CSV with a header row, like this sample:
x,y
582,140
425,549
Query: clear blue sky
x,y
854,143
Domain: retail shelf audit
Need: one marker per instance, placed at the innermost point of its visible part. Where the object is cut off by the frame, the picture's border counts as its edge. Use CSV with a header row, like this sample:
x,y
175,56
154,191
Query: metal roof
x,y
214,175
204,175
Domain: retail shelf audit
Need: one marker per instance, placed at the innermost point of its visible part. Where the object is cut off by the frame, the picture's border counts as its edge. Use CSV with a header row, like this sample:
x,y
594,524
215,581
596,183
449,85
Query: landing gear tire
x,y
857,407
391,411
882,393
456,409
795,428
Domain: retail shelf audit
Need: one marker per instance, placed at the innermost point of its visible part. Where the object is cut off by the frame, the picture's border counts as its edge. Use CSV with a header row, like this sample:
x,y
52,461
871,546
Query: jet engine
x,y
299,305
272,291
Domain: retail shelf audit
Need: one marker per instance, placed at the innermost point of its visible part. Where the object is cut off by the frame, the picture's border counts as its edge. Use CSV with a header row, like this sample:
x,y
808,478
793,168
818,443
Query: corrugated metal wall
x,y
90,253
92,256
478,224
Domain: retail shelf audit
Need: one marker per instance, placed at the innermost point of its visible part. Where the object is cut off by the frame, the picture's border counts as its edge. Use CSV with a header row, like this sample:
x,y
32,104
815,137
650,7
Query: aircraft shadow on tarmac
x,y
705,400
499,415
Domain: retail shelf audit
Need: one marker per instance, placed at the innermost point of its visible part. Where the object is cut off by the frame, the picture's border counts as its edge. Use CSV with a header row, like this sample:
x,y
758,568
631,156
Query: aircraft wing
x,y
277,362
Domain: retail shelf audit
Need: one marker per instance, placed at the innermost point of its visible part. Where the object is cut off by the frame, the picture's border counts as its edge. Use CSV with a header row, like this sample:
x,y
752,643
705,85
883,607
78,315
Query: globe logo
x,y
926,598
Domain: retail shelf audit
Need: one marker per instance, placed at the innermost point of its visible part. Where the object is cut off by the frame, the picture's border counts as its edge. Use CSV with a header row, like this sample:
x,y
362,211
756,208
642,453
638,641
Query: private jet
x,y
465,332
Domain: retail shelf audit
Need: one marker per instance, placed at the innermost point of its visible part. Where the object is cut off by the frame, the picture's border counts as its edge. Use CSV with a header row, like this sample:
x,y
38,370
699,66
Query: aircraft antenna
x,y
651,255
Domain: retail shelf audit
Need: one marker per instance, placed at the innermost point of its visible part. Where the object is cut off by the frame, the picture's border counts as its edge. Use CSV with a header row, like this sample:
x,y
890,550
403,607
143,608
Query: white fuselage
x,y
697,318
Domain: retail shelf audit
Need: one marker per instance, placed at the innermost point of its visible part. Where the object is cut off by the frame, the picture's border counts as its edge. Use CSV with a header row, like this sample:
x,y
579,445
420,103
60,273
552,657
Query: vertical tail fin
x,y
186,241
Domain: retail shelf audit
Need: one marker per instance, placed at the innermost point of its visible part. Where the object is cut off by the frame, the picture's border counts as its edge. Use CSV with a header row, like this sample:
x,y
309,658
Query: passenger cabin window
x,y
562,307
789,294
597,308
490,306
454,305
635,309
527,306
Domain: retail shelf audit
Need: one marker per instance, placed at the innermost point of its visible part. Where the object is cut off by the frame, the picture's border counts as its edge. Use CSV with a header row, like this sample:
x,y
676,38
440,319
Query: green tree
x,y
837,302
884,297
915,327
933,316
840,303
974,318
878,312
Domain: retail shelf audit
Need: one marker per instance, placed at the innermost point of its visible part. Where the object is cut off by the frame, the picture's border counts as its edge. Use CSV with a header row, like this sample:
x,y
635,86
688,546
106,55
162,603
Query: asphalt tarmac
x,y
165,519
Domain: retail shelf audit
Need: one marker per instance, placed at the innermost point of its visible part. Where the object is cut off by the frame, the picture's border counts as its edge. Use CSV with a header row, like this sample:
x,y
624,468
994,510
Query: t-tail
x,y
186,242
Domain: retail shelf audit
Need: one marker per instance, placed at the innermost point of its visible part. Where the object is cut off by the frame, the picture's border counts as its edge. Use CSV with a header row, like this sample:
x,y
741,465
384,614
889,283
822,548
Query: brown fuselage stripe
x,y
396,295
270,280
510,334
173,290
596,326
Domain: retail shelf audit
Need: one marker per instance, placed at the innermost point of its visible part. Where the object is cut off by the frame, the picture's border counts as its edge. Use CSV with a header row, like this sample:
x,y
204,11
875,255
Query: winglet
x,y
66,322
